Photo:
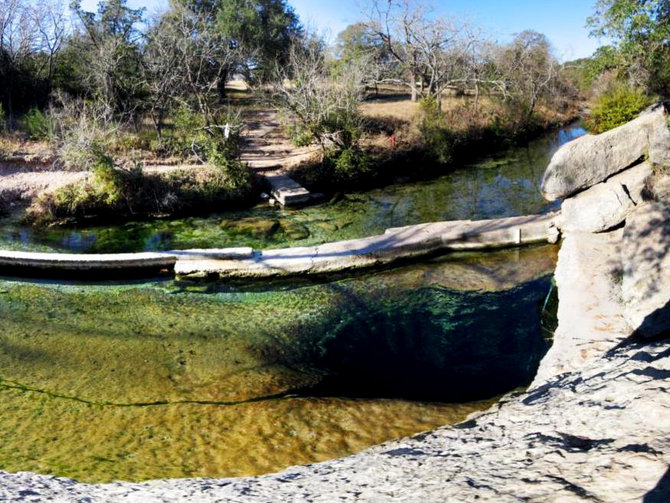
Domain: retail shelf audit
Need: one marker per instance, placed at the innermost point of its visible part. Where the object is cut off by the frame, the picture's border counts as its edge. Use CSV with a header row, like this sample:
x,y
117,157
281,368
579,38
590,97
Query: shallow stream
x,y
498,186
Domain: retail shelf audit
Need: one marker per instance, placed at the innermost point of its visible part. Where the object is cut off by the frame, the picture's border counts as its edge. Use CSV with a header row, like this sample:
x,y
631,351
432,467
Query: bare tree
x,y
322,105
18,37
51,25
433,53
112,53
186,60
528,69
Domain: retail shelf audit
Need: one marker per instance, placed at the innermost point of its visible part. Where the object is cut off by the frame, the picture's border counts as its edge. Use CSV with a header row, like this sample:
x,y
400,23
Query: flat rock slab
x,y
240,253
396,244
607,204
285,190
591,159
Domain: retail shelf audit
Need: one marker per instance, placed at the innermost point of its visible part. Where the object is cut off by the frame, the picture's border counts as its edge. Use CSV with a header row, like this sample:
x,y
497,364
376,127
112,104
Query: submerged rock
x,y
293,230
253,226
606,204
646,270
591,159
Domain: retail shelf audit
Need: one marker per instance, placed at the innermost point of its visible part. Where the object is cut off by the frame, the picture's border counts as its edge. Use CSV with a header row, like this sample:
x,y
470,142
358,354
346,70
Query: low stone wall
x,y
399,244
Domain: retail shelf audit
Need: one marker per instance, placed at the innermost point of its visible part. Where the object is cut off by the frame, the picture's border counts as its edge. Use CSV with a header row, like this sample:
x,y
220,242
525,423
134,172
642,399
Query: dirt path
x,y
266,148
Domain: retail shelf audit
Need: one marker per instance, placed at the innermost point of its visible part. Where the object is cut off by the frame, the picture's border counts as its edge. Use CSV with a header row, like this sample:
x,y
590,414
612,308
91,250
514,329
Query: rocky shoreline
x,y
593,426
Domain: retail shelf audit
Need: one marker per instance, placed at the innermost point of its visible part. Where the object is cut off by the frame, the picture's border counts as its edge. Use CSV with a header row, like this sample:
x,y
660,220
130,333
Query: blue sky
x,y
562,21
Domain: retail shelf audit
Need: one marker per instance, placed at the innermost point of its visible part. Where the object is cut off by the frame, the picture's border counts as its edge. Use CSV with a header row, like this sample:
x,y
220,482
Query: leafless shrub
x,y
320,104
82,130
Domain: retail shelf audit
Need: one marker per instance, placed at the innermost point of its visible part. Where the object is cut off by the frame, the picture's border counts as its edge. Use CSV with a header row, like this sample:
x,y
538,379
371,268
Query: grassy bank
x,y
114,194
406,140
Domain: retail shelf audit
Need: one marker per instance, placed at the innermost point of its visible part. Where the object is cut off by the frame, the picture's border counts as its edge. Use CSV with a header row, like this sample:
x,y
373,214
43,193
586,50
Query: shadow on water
x,y
434,344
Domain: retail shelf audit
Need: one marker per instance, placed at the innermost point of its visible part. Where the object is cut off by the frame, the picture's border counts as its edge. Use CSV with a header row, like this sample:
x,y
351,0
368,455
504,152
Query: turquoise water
x,y
497,186
135,381
142,380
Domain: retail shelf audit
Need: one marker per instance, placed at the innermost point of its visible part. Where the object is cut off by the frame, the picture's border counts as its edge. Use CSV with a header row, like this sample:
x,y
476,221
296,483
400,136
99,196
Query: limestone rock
x,y
659,147
646,270
659,188
591,159
607,204
589,309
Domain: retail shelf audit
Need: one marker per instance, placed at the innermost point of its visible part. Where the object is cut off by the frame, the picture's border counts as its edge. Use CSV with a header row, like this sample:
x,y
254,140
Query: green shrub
x,y
300,136
615,107
115,193
439,141
107,180
83,130
194,135
349,166
144,139
37,125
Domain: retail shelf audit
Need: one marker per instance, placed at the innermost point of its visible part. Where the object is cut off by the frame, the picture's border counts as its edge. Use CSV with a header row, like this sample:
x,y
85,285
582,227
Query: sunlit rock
x,y
592,159
606,204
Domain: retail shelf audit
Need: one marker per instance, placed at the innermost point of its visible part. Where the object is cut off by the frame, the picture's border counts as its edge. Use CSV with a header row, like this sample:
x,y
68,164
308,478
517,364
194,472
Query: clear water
x,y
136,381
497,186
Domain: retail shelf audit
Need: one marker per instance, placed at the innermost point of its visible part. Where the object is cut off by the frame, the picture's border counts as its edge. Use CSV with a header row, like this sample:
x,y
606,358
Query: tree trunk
x,y
221,85
10,112
413,86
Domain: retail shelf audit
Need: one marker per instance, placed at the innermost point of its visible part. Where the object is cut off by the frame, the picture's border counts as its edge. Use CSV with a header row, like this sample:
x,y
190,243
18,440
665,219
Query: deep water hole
x,y
135,381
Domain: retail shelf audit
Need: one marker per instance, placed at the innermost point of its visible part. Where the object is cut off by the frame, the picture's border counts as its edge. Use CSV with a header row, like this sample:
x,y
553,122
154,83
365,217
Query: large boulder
x,y
645,254
591,159
659,147
606,204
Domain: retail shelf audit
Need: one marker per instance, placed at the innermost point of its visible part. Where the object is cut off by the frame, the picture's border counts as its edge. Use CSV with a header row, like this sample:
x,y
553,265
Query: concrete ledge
x,y
213,253
402,243
74,261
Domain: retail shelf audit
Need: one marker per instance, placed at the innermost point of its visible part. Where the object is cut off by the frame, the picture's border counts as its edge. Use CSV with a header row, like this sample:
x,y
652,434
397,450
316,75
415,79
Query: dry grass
x,y
397,109
406,110
15,148
461,112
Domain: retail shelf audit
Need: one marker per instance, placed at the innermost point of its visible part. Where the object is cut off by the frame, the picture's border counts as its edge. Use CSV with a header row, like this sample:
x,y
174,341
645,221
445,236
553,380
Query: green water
x,y
499,186
143,380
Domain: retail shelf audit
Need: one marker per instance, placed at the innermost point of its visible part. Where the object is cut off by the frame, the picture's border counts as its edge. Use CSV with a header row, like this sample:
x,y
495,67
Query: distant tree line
x,y
430,54
132,64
